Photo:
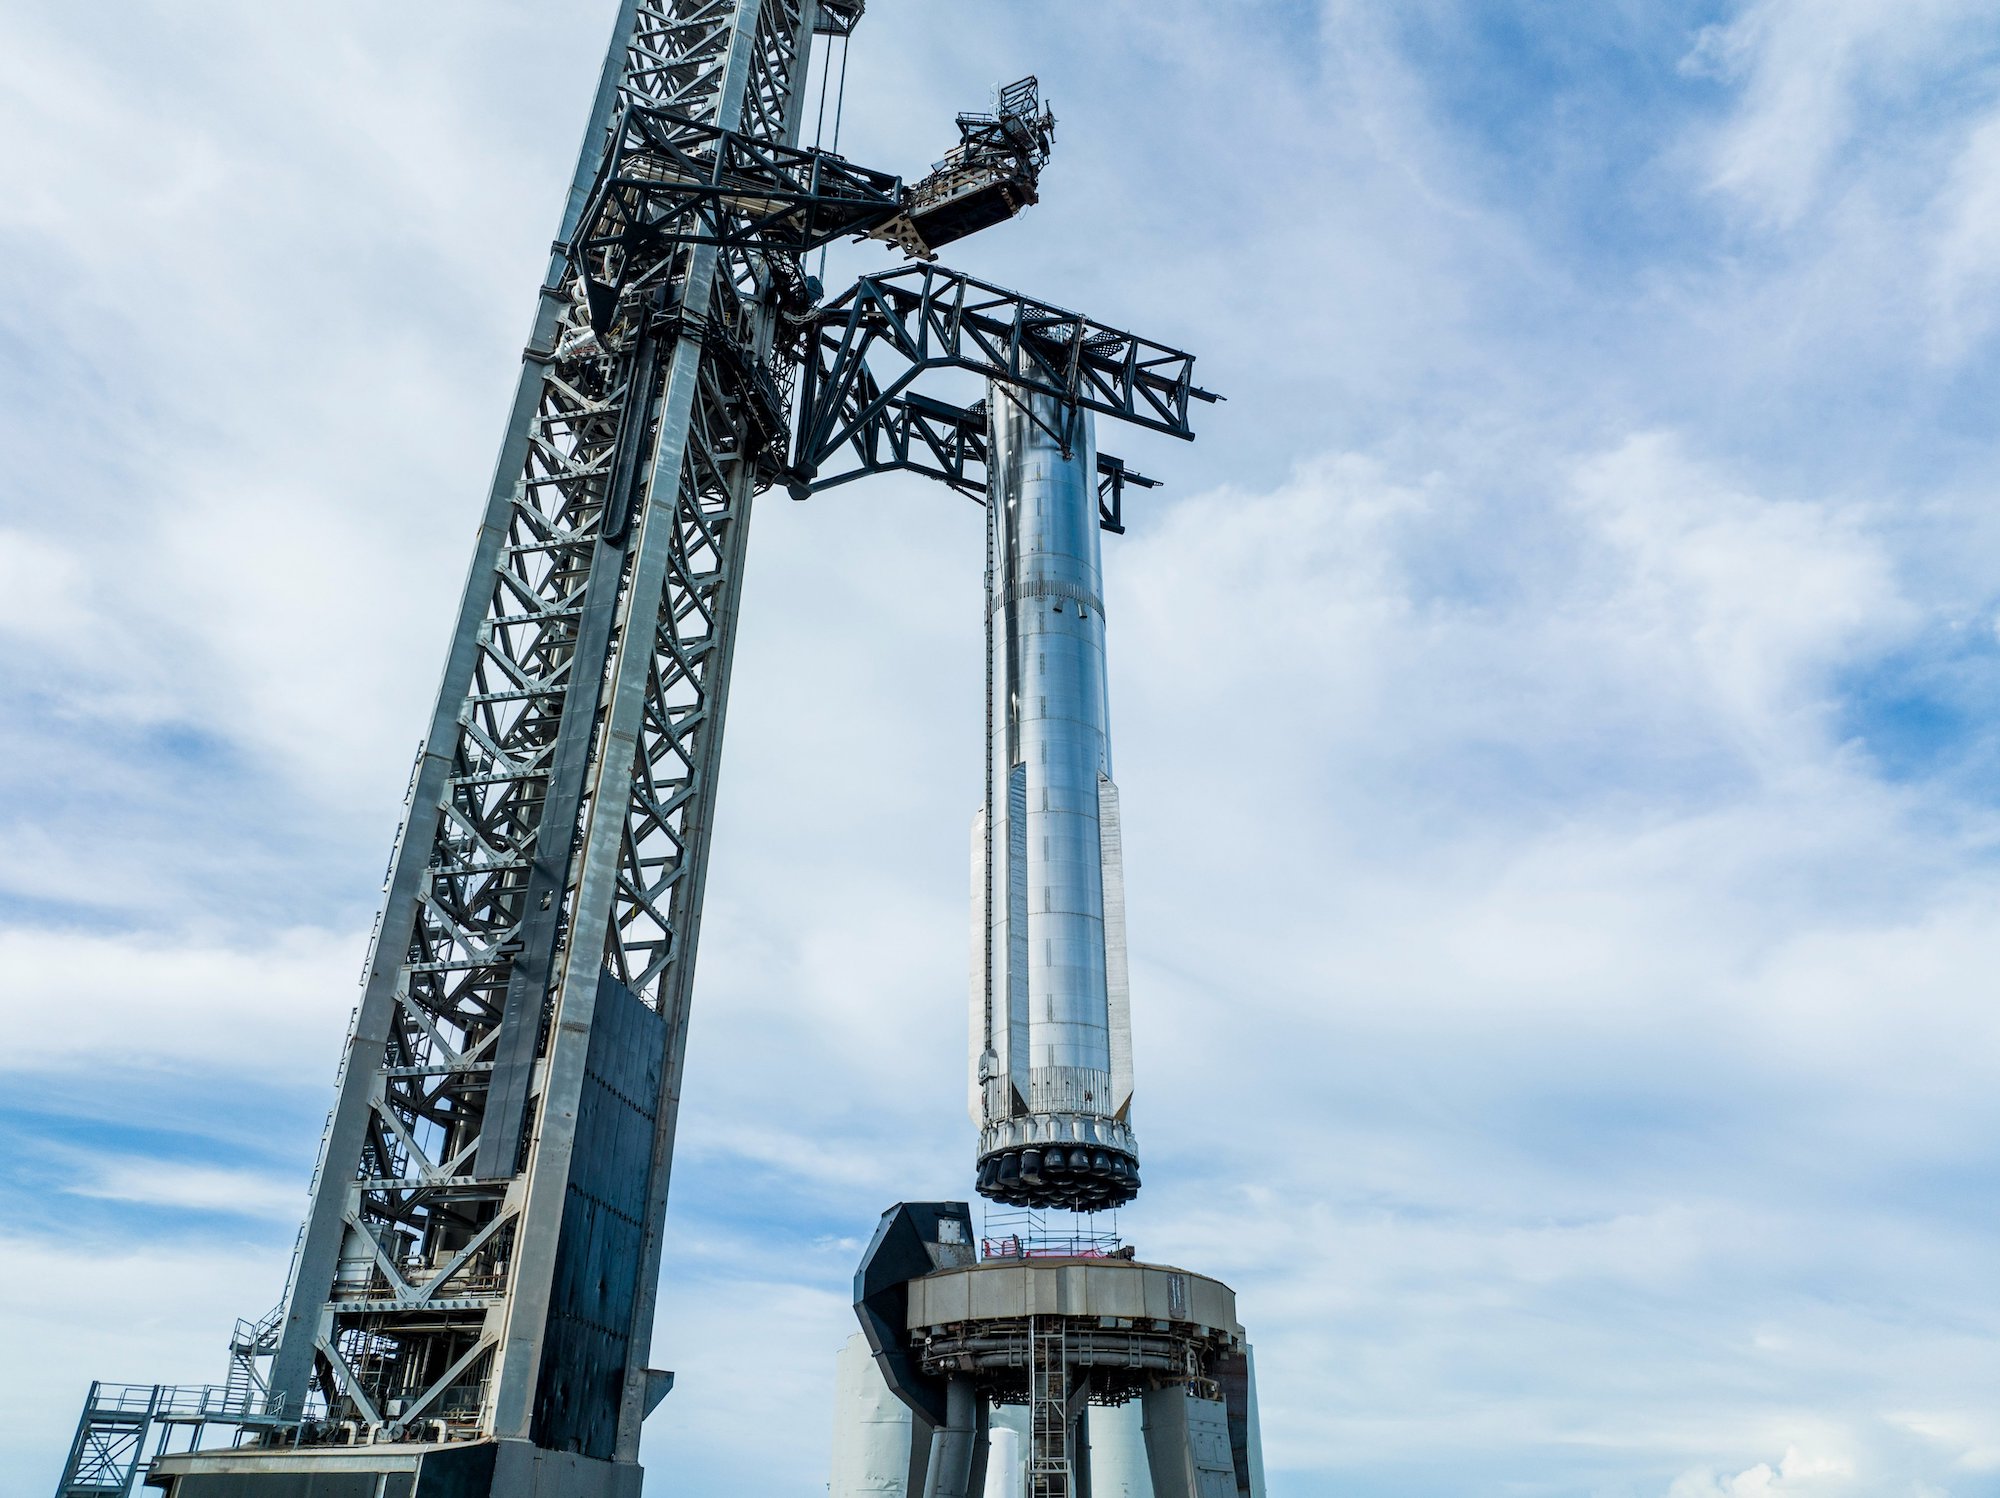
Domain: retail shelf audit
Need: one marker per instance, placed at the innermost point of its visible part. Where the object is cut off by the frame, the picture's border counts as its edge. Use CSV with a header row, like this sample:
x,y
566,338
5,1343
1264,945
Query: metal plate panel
x,y
1209,1303
1113,1294
1208,1441
999,1292
586,1345
294,1485
463,1473
950,1299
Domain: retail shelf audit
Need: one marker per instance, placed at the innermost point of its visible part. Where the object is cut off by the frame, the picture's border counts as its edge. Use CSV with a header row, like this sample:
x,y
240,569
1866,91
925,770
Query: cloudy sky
x,y
1554,705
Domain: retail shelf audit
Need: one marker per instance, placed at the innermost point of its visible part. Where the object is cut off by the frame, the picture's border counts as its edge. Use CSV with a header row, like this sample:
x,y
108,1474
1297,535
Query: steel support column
x,y
551,859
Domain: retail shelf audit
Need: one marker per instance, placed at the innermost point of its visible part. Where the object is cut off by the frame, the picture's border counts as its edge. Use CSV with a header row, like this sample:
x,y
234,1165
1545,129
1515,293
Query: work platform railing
x,y
1031,1234
120,1421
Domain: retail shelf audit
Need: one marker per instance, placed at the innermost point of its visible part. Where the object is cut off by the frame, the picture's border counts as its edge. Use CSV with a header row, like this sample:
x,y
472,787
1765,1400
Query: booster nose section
x,y
1051,1033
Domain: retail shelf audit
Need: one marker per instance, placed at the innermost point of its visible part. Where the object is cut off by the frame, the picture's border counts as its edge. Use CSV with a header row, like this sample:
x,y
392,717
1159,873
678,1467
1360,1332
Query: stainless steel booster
x,y
1051,1029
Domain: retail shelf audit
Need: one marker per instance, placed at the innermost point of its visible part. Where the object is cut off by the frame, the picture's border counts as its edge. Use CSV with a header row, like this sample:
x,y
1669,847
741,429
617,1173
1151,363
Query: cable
x,y
840,98
825,73
839,109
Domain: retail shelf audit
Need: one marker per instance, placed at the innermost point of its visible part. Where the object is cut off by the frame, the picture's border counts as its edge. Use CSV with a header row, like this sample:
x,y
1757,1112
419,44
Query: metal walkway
x,y
110,1444
119,1422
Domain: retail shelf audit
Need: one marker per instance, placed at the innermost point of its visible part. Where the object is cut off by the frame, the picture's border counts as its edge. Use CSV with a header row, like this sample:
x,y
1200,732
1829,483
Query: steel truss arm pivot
x,y
867,350
669,180
918,434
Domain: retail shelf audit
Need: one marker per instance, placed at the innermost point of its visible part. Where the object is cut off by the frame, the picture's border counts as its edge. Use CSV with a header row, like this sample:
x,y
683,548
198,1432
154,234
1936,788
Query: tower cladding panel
x,y
1051,1042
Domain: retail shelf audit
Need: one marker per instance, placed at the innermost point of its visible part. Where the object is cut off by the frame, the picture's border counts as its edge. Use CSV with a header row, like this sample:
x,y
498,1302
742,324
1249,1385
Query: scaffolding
x,y
1025,1233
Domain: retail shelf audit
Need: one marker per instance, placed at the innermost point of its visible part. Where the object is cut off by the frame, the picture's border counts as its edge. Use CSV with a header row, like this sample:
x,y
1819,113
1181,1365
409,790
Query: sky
x,y
1554,703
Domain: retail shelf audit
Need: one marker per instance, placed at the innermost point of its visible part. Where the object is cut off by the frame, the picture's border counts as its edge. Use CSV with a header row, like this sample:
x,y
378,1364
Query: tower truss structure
x,y
504,1123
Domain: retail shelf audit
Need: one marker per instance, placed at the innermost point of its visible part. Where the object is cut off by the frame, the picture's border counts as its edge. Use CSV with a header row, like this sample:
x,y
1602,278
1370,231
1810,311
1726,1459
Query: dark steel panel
x,y
586,1348
908,1242
294,1485
466,1472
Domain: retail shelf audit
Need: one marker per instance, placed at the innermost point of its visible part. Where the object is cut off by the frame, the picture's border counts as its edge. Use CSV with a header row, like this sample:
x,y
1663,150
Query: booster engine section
x,y
1051,1026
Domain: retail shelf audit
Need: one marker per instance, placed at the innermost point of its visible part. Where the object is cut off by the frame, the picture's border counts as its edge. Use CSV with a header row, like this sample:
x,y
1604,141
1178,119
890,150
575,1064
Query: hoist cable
x,y
840,97
825,74
839,109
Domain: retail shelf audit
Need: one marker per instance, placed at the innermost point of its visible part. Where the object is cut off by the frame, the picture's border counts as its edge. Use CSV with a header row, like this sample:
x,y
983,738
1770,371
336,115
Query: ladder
x,y
1050,1474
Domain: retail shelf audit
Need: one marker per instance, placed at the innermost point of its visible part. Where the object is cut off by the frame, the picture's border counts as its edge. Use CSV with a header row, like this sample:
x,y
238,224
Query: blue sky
x,y
1553,703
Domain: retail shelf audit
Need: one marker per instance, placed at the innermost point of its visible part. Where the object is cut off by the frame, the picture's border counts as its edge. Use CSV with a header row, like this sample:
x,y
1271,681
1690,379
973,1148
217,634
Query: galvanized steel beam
x,y
559,813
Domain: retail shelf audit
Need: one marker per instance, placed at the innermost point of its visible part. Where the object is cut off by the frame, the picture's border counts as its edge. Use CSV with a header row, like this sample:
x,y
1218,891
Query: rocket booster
x,y
1051,1025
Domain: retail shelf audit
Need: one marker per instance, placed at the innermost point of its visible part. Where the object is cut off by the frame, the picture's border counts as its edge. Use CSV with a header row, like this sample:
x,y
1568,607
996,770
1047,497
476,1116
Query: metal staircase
x,y
247,1389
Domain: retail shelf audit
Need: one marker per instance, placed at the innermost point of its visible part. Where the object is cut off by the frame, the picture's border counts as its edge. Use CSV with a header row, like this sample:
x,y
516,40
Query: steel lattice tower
x,y
505,1119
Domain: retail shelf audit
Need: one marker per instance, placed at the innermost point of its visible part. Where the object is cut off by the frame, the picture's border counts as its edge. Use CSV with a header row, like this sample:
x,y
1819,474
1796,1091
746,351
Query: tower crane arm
x,y
917,433
867,350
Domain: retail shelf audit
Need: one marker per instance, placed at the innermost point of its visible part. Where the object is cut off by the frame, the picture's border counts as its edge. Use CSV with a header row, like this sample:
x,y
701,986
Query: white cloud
x,y
159,1312
1971,1439
1796,1472
1691,585
1965,240
1809,68
743,1346
39,586
151,1182
163,301
1859,146
1611,615
80,1002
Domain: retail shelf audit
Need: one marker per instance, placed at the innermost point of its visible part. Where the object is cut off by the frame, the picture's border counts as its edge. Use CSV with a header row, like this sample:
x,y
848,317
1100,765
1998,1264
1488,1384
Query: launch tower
x,y
470,1305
